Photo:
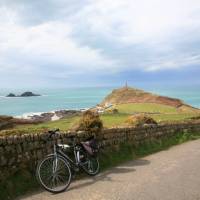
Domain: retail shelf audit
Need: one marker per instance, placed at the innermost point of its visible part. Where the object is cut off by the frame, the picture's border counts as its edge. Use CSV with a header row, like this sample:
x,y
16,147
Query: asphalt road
x,y
173,174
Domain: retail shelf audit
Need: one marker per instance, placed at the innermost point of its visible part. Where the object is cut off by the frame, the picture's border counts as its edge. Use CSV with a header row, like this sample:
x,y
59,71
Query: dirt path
x,y
168,175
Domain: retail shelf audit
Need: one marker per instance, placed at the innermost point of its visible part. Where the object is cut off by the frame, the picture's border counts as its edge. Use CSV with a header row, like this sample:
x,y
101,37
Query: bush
x,y
90,122
195,118
6,122
113,111
140,120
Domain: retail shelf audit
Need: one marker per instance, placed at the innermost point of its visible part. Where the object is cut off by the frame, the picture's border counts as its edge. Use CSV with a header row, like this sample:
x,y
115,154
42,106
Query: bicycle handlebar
x,y
52,132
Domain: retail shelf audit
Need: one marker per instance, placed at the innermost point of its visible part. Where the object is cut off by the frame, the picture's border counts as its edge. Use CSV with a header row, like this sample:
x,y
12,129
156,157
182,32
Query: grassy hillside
x,y
109,120
128,95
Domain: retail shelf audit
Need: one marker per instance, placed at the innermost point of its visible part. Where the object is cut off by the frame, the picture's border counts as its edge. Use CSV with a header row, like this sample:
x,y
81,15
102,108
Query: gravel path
x,y
173,174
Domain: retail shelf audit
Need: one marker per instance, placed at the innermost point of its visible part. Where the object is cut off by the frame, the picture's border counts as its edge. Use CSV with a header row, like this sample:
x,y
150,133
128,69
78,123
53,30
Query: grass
x,y
62,124
145,107
109,121
18,184
160,113
24,181
113,120
117,120
173,117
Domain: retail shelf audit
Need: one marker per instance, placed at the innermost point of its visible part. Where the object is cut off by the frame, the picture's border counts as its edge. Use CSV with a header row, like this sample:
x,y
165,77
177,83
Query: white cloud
x,y
30,48
140,20
177,63
102,36
159,29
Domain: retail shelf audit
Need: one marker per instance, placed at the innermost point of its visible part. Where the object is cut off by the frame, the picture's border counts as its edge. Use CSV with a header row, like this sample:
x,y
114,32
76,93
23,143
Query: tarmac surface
x,y
173,174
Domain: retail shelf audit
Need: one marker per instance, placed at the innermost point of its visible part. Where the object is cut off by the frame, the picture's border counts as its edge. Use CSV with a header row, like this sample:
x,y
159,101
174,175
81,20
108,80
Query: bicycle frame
x,y
76,151
61,166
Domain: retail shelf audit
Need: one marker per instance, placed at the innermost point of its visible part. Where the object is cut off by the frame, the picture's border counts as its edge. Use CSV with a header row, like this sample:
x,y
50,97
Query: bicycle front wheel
x,y
54,174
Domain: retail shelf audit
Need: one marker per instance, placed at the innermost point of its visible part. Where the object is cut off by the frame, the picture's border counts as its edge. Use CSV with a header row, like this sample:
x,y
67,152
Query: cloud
x,y
64,39
182,61
140,20
150,35
47,45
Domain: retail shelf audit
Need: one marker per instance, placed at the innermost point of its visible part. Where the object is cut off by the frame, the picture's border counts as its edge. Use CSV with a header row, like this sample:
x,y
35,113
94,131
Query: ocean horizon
x,y
80,98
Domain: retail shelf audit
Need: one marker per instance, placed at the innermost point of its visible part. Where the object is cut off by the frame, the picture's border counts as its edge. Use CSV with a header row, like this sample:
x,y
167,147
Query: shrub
x,y
140,120
195,118
6,122
113,111
90,122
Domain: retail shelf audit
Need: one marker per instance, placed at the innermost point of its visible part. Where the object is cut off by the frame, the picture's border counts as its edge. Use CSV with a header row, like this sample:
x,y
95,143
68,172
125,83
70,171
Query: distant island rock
x,y
29,94
11,95
25,94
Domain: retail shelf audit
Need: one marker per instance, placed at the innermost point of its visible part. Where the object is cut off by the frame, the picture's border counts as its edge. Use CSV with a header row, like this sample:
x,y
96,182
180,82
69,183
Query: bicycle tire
x,y
41,181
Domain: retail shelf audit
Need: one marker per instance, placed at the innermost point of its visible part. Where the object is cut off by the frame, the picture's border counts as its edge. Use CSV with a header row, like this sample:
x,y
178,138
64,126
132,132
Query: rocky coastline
x,y
50,116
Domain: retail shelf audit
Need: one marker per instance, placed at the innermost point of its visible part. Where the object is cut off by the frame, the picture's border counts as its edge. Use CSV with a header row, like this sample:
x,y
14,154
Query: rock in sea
x,y
11,95
29,94
25,94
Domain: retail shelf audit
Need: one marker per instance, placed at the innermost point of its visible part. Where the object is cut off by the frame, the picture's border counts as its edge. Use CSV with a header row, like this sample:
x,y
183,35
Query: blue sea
x,y
79,98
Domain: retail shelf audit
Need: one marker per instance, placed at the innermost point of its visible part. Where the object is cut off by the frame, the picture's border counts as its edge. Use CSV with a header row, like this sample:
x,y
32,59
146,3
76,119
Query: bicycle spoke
x,y
54,181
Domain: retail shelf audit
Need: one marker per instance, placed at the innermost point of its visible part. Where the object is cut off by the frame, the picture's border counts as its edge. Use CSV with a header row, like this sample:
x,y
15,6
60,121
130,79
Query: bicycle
x,y
54,172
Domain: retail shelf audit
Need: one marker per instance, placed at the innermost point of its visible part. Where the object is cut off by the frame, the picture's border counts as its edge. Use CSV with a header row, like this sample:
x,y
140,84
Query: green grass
x,y
117,120
173,117
18,184
63,124
145,107
109,121
113,120
162,113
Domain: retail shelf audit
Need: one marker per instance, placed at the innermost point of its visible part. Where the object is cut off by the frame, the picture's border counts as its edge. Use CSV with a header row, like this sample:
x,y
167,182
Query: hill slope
x,y
127,95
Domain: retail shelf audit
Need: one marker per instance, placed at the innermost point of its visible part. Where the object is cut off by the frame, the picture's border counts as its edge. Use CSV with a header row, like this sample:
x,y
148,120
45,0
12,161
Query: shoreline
x,y
51,115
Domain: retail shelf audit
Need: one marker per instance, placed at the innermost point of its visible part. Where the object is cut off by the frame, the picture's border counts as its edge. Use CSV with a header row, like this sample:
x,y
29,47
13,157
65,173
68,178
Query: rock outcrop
x,y
11,95
29,94
50,116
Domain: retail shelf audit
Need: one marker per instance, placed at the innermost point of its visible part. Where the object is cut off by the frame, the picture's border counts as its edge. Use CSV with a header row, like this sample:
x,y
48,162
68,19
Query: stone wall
x,y
19,152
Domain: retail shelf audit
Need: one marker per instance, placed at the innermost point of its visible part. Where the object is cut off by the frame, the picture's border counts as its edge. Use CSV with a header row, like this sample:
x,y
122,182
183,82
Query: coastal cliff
x,y
126,95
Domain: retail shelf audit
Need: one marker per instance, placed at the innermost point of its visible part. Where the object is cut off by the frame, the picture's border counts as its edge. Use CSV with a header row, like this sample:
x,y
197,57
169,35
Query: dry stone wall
x,y
23,152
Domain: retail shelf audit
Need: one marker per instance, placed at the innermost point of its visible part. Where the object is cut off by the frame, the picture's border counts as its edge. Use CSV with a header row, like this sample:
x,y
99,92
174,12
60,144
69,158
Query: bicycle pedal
x,y
73,176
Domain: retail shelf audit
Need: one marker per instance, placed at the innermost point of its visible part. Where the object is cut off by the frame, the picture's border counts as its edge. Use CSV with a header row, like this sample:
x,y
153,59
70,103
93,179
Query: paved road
x,y
168,175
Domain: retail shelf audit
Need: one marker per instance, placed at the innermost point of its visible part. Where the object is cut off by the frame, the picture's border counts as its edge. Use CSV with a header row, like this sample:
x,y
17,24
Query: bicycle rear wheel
x,y
90,164
54,174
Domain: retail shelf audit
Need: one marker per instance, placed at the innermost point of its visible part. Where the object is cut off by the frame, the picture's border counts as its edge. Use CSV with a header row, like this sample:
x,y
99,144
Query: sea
x,y
80,98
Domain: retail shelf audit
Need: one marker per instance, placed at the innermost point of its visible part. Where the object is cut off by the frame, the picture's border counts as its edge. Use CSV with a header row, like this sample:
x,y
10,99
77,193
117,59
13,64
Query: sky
x,y
63,43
